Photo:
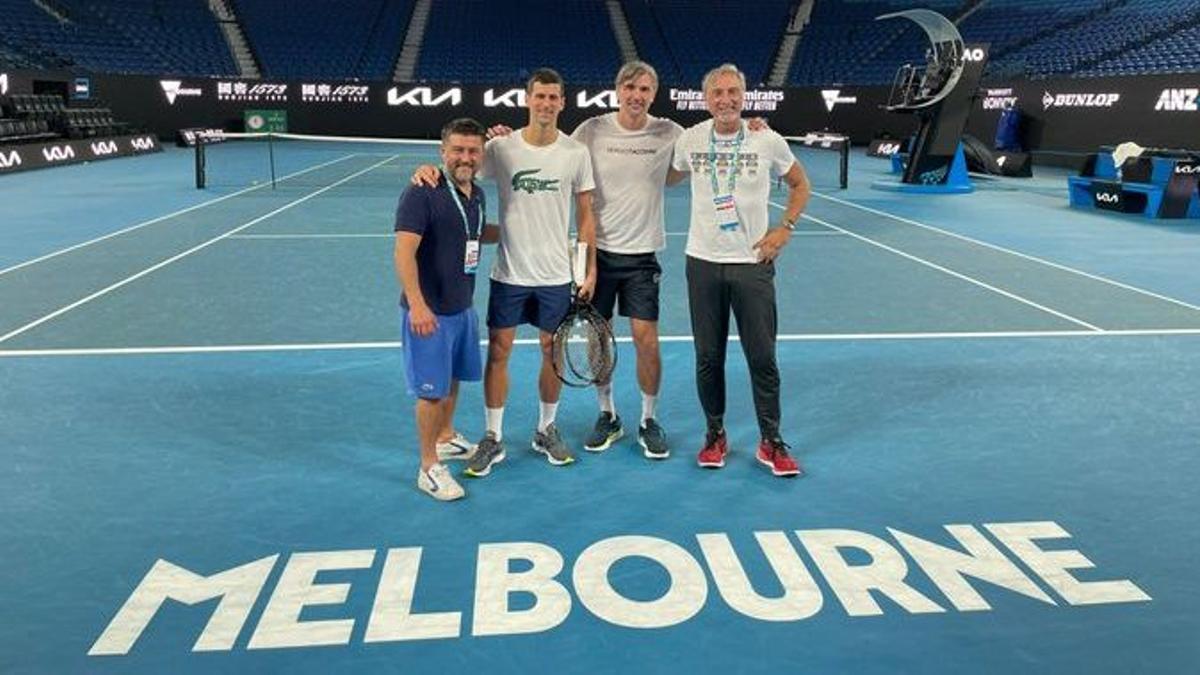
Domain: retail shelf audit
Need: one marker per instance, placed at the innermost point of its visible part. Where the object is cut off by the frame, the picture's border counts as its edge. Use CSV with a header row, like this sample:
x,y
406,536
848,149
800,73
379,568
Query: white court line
x,y
168,261
1002,249
795,337
799,233
349,235
159,219
946,270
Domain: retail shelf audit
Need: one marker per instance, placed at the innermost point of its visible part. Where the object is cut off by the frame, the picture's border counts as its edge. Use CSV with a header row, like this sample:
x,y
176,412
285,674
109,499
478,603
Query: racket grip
x,y
579,263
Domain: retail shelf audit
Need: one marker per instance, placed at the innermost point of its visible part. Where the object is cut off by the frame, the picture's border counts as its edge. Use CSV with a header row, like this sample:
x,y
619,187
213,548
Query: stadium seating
x,y
485,41
330,39
118,36
684,39
1099,36
843,44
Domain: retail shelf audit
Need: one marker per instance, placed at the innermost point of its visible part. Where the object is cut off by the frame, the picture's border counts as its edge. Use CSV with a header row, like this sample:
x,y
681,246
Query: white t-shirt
x,y
537,185
763,154
631,172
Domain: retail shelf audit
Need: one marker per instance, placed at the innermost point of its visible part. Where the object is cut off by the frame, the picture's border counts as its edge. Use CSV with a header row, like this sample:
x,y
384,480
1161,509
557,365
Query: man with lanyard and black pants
x,y
730,258
438,233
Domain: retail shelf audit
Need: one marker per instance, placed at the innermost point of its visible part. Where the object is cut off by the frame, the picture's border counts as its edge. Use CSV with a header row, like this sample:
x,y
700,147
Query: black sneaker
x,y
606,432
653,440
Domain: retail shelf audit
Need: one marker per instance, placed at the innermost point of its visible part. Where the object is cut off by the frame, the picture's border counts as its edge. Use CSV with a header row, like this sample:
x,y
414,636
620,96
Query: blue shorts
x,y
542,306
450,353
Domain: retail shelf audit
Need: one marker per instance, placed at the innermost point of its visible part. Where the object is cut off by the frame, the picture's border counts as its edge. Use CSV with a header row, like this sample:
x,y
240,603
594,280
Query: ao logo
x,y
422,97
8,161
1001,160
605,99
973,54
103,148
513,98
58,153
1108,197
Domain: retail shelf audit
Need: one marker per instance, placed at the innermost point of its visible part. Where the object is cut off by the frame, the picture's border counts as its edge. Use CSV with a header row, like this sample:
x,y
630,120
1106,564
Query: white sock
x,y
546,414
604,395
495,421
648,403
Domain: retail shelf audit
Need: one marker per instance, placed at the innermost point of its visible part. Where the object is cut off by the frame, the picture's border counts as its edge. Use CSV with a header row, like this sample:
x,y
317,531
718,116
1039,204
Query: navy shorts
x,y
452,352
629,281
542,306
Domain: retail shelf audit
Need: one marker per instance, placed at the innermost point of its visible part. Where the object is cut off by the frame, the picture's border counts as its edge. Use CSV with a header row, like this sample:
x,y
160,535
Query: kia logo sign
x,y
423,97
513,98
1187,169
58,153
103,148
142,143
888,148
833,97
1108,198
604,99
9,160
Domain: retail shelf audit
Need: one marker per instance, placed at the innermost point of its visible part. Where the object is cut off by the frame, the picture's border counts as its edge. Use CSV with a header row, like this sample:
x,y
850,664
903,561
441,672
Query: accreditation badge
x,y
471,259
726,212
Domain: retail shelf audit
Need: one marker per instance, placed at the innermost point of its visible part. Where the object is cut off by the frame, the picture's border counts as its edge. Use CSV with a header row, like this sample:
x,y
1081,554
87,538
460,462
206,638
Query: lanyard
x,y
463,212
712,158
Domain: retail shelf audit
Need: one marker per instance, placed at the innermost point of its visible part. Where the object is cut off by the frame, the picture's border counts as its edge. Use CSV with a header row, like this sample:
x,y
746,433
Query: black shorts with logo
x,y
631,279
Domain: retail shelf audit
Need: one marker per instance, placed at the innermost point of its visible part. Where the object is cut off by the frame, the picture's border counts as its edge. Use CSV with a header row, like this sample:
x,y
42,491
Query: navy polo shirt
x,y
431,213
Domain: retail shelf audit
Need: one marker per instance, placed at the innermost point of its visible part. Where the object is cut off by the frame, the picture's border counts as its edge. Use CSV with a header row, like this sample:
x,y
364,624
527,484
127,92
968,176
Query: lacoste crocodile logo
x,y
524,180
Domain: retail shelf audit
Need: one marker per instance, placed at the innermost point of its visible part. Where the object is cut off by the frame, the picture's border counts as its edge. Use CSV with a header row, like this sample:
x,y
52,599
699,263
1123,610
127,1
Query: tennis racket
x,y
583,347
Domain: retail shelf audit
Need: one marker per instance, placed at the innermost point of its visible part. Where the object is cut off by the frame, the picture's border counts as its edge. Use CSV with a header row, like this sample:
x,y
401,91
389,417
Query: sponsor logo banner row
x,y
33,156
1172,99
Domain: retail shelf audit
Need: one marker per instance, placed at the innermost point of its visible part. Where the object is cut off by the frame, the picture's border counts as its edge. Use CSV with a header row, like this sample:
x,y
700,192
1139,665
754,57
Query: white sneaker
x,y
456,448
439,484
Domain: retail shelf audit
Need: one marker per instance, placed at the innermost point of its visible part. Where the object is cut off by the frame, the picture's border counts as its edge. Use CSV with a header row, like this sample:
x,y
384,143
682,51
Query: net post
x,y
271,152
200,165
844,164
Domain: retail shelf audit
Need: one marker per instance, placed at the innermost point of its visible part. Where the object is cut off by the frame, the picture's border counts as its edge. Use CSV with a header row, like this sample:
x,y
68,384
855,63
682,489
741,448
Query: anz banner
x,y
39,155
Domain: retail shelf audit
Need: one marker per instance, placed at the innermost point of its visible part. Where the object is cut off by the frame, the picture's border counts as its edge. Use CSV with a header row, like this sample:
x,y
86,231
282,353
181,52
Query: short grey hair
x,y
635,69
724,69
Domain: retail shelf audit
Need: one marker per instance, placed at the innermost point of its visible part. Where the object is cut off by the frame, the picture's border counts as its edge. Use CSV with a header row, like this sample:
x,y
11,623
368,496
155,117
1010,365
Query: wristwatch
x,y
790,224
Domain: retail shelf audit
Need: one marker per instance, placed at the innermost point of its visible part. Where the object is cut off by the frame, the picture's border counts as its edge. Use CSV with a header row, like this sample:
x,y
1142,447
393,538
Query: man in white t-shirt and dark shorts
x,y
538,171
631,154
731,250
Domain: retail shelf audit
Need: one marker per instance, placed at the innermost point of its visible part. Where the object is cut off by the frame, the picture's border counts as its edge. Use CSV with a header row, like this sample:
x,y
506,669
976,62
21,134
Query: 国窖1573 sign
x,y
954,568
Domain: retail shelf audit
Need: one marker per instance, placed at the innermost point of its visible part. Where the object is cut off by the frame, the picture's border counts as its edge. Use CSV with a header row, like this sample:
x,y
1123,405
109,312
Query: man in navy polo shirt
x,y
438,233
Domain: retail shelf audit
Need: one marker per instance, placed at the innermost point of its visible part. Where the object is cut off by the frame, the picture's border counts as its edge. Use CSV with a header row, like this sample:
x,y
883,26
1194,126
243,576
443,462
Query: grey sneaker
x,y
607,431
653,440
489,451
550,444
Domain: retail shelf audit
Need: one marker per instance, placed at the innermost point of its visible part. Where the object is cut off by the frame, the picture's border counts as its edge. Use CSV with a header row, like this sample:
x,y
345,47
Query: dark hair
x,y
545,76
464,126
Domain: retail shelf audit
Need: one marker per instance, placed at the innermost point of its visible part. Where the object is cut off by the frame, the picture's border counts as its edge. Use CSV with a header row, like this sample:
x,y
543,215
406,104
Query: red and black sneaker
x,y
712,455
774,453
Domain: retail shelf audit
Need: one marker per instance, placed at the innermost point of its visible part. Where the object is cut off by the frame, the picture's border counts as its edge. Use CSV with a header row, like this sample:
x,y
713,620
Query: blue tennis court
x,y
210,457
